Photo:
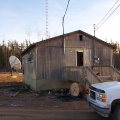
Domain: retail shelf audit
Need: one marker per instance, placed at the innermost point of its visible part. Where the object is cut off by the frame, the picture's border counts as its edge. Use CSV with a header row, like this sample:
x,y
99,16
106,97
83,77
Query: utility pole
x,y
94,46
63,24
63,33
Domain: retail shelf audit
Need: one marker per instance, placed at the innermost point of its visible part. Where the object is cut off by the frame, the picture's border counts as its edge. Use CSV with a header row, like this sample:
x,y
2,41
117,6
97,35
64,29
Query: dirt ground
x,y
6,77
18,102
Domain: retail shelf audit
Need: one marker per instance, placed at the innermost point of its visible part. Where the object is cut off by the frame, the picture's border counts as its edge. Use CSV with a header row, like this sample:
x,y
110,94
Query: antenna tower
x,y
47,19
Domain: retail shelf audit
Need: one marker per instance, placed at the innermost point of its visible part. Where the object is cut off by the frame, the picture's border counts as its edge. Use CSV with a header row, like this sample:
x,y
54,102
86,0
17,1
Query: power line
x,y
107,13
108,17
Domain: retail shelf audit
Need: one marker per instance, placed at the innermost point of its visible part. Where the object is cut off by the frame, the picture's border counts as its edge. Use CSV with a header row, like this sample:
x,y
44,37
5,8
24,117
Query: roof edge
x,y
78,31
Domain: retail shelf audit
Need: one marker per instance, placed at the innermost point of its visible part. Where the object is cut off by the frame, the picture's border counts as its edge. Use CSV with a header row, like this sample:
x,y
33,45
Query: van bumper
x,y
101,110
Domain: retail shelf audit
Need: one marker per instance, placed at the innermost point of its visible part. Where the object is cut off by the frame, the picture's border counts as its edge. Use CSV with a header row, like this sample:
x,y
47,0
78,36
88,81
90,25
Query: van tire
x,y
116,112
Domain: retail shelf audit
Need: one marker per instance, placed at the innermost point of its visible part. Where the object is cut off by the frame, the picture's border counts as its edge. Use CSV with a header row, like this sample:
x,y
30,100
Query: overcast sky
x,y
21,18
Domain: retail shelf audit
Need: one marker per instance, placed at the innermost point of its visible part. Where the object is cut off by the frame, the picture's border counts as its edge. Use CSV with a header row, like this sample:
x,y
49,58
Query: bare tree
x,y
29,34
38,33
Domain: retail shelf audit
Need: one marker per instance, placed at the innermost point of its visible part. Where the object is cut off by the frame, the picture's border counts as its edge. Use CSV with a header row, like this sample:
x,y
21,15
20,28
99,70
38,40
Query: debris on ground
x,y
19,89
55,92
68,98
15,94
60,94
24,97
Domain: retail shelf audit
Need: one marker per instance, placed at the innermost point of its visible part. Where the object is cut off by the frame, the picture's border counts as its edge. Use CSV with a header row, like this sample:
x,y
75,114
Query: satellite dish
x,y
14,63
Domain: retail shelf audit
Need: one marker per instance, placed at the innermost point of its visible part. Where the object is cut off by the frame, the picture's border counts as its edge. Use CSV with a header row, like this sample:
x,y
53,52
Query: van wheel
x,y
116,112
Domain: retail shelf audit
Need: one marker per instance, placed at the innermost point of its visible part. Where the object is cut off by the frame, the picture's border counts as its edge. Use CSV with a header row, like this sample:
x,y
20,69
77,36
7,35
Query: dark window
x,y
81,37
79,58
31,56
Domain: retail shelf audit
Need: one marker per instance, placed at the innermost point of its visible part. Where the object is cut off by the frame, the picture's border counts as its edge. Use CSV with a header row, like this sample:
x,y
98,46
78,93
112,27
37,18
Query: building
x,y
59,61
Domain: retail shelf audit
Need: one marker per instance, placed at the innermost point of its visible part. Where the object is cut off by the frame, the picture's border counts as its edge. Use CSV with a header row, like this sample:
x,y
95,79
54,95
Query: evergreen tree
x,y
12,48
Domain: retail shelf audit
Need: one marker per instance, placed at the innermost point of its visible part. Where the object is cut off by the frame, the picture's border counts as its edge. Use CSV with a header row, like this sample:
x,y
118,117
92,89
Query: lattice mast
x,y
47,36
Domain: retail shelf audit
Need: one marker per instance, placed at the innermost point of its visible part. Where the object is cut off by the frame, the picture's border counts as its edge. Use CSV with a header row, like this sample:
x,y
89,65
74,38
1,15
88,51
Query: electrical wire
x,y
108,17
107,13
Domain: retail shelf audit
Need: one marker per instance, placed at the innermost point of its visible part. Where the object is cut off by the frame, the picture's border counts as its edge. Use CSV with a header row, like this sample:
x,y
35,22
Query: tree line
x,y
116,55
16,49
11,48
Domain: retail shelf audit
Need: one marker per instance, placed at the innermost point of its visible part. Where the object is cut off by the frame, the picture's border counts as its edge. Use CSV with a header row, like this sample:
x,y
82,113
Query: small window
x,y
81,37
31,57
